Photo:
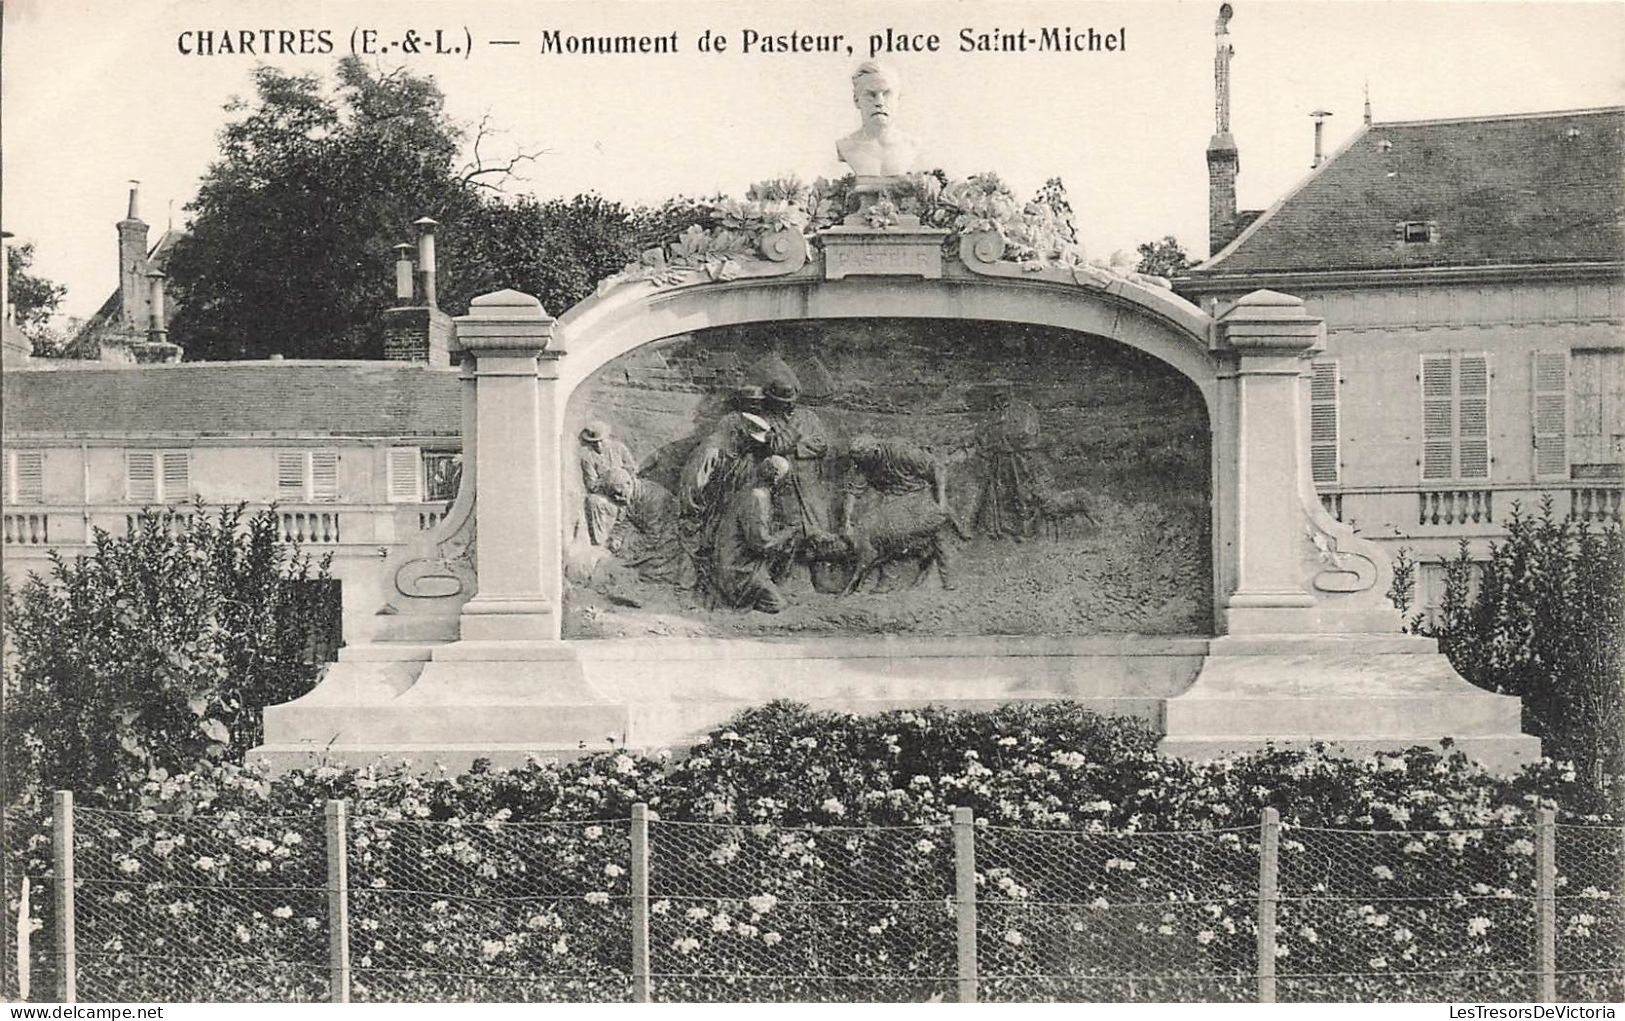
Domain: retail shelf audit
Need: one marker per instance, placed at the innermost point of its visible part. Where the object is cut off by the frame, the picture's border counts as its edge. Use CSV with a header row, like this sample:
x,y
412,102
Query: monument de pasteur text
x,y
865,470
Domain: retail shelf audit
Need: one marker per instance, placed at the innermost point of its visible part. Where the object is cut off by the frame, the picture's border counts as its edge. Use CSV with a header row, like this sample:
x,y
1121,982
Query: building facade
x,y
1471,273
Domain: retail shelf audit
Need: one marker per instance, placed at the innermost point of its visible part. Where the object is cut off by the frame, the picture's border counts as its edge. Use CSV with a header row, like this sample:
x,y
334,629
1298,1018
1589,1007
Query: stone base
x,y
1356,693
505,700
455,702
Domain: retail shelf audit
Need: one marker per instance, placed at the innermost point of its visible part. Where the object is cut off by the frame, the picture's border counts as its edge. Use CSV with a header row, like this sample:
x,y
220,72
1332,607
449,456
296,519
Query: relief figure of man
x,y
752,555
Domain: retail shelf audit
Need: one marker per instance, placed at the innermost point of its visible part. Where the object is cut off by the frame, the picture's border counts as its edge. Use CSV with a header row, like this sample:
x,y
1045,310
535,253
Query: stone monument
x,y
1028,480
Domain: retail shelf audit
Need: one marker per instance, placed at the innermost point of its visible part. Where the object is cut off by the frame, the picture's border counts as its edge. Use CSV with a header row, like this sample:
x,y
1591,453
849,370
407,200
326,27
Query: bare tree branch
x,y
478,168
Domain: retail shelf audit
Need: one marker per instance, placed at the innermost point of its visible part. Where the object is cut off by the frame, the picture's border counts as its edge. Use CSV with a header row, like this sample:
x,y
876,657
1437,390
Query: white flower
x,y
1521,846
490,948
1382,872
1206,936
262,866
612,870
721,922
874,930
129,865
698,914
1166,930
593,832
430,946
204,864
1478,925
1099,904
561,945
833,807
762,903
924,846
686,945
1007,742
290,838
282,912
596,897
1378,962
660,907
771,938
744,930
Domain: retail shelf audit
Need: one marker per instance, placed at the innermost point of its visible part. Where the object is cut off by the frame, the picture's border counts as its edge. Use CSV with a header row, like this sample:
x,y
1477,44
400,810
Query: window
x,y
405,471
1598,388
1455,417
307,476
1323,424
442,471
25,476
1417,232
158,476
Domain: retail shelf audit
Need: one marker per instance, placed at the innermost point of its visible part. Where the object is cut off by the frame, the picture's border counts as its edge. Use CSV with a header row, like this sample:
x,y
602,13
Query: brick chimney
x,y
416,330
135,306
1223,159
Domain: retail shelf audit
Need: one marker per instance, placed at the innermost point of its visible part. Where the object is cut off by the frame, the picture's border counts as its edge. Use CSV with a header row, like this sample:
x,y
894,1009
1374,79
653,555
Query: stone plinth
x,y
454,702
883,251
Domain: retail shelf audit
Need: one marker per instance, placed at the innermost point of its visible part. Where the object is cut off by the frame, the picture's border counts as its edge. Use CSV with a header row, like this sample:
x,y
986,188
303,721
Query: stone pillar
x,y
1272,337
517,522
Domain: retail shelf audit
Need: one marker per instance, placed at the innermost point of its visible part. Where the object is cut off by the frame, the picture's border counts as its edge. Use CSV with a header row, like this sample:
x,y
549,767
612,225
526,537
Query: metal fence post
x,y
338,904
62,851
640,903
1546,904
1269,850
965,901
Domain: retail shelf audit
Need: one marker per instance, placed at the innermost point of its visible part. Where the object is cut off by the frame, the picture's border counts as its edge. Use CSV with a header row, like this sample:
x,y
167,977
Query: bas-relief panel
x,y
886,476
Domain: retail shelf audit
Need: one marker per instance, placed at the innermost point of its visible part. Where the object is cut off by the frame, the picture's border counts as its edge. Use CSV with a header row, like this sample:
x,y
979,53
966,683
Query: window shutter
x,y
141,476
1438,417
1473,416
324,476
290,476
29,482
405,475
1323,423
1550,395
177,468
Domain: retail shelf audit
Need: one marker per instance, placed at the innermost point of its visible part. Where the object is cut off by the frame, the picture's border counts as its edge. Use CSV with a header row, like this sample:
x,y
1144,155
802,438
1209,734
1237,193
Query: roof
x,y
103,318
1510,190
233,398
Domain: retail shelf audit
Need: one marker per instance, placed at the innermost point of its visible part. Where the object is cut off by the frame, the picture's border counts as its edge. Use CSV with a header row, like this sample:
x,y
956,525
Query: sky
x,y
97,93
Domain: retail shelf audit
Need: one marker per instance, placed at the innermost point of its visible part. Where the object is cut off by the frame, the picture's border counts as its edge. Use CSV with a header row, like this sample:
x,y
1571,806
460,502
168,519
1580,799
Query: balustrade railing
x,y
311,527
1595,504
1456,507
26,528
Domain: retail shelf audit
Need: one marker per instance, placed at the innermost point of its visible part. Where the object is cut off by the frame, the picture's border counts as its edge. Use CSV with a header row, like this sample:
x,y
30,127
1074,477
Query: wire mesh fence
x,y
138,906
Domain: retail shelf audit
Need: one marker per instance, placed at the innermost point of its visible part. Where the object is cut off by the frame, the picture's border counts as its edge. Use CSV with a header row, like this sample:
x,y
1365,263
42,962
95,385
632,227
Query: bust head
x,y
874,93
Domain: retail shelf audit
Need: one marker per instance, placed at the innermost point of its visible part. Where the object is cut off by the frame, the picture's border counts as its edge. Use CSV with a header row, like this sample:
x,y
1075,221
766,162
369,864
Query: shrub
x,y
158,649
1543,620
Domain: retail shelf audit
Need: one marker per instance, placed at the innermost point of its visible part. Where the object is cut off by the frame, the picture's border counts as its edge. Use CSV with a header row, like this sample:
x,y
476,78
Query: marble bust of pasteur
x,y
878,148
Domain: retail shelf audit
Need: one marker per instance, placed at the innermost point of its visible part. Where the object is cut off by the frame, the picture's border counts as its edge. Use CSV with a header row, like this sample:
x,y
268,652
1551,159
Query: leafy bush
x,y
159,648
1543,620
806,855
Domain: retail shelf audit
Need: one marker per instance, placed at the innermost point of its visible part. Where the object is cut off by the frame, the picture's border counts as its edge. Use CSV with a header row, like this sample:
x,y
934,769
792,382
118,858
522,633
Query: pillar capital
x,y
507,324
1270,325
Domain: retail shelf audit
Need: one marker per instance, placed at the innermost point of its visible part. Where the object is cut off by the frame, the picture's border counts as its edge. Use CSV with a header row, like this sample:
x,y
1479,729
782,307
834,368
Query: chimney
x,y
132,267
426,228
403,274
156,349
1368,103
1320,124
417,332
157,331
1223,159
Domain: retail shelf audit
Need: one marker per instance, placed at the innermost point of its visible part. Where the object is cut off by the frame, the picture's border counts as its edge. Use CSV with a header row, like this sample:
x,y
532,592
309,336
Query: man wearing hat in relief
x,y
753,555
720,465
600,454
798,436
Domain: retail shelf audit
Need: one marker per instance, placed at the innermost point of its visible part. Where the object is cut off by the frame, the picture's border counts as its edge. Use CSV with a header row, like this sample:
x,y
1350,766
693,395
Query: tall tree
x,y
1164,258
34,298
289,246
